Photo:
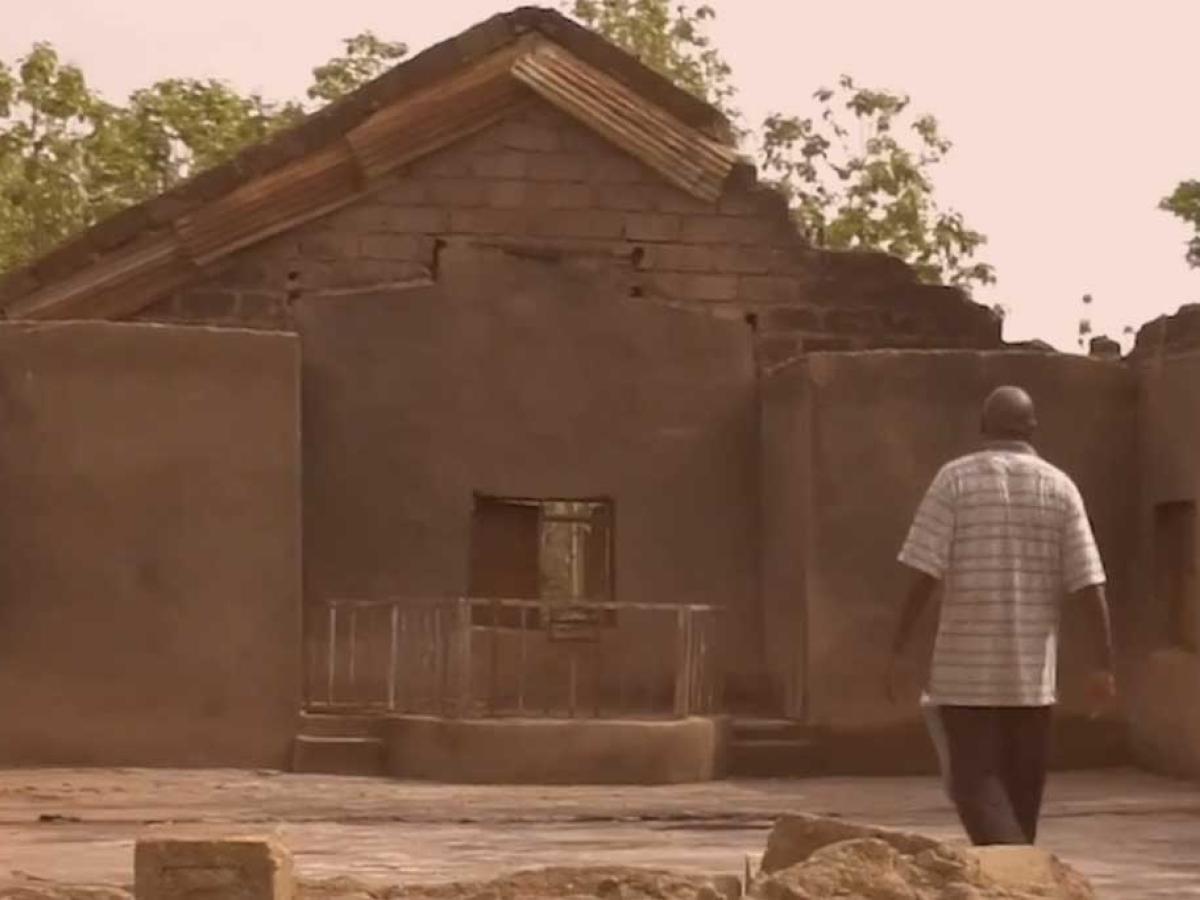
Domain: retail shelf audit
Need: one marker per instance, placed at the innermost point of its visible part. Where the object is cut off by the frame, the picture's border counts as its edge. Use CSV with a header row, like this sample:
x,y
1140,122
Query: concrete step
x,y
339,755
339,725
775,758
752,729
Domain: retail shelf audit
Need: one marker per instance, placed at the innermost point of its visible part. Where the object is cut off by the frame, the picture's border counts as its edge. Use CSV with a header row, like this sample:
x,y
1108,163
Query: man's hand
x,y
1101,691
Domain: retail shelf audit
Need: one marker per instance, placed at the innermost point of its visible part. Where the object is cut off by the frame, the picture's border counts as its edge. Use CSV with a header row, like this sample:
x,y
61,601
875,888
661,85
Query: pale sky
x,y
1070,118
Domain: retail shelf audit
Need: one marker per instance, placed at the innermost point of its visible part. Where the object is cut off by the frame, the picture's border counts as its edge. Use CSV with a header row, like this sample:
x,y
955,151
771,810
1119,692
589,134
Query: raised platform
x,y
515,750
644,751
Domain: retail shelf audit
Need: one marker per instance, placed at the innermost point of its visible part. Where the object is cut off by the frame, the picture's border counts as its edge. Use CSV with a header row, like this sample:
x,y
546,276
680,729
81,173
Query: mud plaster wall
x,y
879,427
150,521
1164,683
785,448
531,379
548,183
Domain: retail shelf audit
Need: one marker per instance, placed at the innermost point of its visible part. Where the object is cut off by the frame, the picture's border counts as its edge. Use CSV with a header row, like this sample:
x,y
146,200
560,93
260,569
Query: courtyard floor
x,y
1135,835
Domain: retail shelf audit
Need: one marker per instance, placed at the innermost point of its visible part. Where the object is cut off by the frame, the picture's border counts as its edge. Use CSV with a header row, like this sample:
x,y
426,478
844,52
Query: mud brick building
x,y
512,325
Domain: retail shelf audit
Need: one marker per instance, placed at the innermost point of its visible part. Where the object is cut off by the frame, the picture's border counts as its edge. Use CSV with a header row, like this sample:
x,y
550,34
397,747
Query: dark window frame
x,y
511,617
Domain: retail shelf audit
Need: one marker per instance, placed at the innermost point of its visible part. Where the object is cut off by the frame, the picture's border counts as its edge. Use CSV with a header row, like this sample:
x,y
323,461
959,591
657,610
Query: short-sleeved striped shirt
x,y
1007,535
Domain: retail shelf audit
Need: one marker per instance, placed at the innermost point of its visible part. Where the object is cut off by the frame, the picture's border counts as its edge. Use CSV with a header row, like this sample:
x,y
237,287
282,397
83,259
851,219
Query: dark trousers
x,y
997,758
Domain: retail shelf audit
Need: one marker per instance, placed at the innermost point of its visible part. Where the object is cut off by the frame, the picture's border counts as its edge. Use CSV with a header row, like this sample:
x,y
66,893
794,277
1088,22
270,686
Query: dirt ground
x,y
1134,835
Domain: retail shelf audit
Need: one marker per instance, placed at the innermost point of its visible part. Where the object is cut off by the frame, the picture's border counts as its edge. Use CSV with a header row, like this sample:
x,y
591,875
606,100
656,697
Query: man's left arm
x,y
921,588
926,554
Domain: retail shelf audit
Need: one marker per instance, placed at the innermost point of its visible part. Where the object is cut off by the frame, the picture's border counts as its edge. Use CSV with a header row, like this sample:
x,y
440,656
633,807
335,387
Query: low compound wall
x,y
864,434
1164,680
150,584
556,751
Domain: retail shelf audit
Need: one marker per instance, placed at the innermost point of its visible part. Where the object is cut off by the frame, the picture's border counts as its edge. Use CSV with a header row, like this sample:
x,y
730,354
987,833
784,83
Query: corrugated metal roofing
x,y
682,155
338,154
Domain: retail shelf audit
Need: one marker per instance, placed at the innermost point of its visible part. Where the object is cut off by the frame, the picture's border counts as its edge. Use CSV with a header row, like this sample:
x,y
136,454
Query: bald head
x,y
1008,414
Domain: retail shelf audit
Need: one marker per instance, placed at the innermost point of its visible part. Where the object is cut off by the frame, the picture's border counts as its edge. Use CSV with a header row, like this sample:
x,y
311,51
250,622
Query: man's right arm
x,y
1099,624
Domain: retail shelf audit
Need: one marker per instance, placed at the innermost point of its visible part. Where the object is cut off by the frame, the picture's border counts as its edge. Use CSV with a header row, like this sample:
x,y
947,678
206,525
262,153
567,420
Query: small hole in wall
x,y
294,289
636,291
752,321
637,256
435,263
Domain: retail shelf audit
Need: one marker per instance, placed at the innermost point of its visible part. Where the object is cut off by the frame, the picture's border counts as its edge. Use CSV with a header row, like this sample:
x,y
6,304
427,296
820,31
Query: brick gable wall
x,y
541,184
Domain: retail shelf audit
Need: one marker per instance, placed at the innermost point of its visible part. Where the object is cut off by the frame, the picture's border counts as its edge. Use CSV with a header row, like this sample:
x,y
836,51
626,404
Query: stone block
x,y
744,260
792,318
770,289
322,245
502,164
823,343
738,203
507,194
618,170
415,219
776,349
679,258
558,167
530,136
715,229
652,227
208,305
248,868
559,195
489,221
461,193
261,307
406,192
698,286
672,200
388,246
582,223
854,321
623,197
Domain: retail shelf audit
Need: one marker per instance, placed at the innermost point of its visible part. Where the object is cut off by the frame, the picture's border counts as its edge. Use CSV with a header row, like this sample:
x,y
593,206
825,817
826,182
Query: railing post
x,y
440,648
393,657
681,668
573,698
494,661
466,678
403,687
524,638
353,647
331,675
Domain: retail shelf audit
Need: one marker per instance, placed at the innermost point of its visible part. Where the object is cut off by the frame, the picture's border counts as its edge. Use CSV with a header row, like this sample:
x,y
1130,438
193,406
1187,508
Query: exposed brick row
x,y
540,183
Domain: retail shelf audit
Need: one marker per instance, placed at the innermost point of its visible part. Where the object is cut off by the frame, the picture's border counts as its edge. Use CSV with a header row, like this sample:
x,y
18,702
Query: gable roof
x,y
339,153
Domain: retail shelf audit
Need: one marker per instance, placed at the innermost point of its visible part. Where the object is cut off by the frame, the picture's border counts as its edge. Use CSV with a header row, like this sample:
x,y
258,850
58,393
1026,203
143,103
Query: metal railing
x,y
470,657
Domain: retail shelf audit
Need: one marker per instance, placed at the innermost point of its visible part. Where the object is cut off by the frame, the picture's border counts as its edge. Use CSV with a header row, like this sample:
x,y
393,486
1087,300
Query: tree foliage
x,y
858,170
46,153
671,38
1184,202
859,175
366,58
69,158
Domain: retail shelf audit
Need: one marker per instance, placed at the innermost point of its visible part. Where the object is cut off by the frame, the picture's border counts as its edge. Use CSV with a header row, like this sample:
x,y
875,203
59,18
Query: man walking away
x,y
1006,536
